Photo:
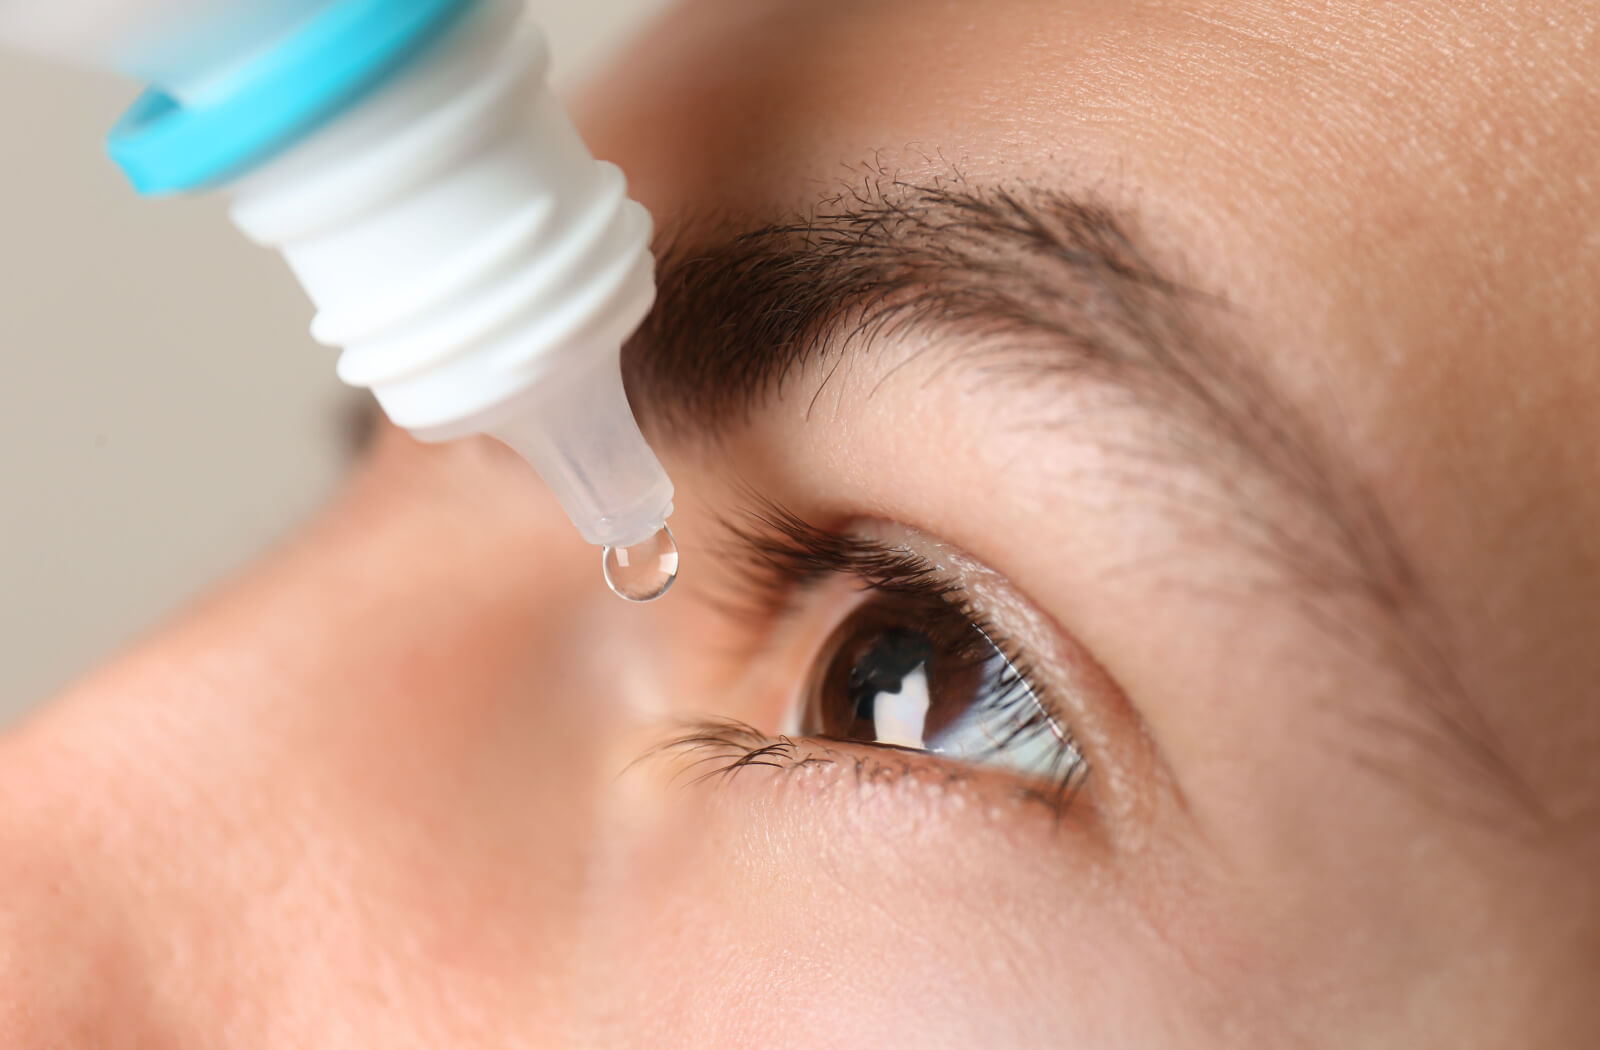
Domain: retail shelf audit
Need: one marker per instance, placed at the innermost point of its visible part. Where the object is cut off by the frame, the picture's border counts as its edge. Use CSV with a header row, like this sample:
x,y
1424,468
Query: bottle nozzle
x,y
575,427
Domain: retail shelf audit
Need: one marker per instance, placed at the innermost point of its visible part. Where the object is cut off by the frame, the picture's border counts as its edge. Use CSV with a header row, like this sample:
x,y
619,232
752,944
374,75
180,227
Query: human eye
x,y
908,660
923,672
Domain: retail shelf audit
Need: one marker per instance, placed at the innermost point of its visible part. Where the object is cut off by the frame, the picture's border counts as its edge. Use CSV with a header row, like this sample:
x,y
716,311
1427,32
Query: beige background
x,y
163,413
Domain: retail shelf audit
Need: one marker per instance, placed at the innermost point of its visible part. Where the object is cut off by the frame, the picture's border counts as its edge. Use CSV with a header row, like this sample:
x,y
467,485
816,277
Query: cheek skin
x,y
882,908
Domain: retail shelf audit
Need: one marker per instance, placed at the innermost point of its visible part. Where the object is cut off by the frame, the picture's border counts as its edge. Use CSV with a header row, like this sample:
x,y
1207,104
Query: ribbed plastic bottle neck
x,y
479,267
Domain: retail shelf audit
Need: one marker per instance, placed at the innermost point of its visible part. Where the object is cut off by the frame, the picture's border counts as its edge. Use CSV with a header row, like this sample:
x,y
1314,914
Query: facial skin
x,y
411,780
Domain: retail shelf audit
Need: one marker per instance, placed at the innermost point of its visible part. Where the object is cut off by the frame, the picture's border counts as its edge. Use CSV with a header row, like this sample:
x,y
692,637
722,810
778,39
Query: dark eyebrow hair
x,y
1049,284
735,321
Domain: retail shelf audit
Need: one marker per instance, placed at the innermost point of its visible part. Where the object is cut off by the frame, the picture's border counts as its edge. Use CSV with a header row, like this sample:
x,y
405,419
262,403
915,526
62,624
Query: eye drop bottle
x,y
478,267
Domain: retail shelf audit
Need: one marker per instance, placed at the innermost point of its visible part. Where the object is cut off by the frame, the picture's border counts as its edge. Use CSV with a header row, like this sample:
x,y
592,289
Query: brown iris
x,y
884,659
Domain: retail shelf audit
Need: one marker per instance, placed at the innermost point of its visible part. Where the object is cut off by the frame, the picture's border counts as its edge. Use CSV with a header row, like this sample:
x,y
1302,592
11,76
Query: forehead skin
x,y
1396,201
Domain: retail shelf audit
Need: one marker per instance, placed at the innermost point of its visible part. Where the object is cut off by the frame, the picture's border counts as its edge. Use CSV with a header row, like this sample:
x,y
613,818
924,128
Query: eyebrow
x,y
1059,287
737,317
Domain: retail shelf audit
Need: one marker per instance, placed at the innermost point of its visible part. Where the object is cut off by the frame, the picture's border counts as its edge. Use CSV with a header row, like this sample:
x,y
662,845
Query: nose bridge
x,y
520,690
608,682
467,728
578,709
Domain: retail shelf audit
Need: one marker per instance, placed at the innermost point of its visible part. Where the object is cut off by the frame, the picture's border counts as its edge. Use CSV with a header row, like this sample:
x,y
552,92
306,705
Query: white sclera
x,y
644,571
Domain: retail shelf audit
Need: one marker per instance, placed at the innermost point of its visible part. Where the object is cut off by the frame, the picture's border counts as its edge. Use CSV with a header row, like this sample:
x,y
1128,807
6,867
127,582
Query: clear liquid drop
x,y
644,571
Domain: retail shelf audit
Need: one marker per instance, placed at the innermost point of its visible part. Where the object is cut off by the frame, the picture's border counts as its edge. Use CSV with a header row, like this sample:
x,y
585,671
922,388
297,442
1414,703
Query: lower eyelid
x,y
716,753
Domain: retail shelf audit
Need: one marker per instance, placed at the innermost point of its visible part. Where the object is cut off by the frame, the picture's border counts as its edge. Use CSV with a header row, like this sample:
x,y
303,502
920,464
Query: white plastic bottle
x,y
479,267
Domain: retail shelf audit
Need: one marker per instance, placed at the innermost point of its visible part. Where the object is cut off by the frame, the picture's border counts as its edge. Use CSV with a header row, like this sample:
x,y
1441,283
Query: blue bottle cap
x,y
165,146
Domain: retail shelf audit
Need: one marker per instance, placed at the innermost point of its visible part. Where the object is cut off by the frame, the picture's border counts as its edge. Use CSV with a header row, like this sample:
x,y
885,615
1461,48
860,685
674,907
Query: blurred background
x,y
164,414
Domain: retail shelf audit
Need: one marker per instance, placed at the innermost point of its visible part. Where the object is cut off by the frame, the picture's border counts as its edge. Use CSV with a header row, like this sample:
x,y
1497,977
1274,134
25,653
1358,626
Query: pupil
x,y
883,668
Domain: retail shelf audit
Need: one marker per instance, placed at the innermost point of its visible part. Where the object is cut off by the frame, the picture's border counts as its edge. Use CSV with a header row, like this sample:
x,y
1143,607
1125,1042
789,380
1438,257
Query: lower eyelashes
x,y
716,750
